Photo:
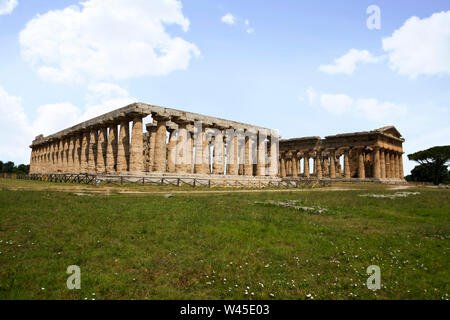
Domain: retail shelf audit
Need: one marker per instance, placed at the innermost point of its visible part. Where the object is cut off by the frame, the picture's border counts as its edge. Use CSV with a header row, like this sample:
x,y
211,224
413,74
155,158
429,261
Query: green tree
x,y
433,164
1,166
8,167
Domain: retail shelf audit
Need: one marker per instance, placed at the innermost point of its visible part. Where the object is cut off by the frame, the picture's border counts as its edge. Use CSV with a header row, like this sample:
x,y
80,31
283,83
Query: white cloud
x,y
228,19
336,103
370,109
347,63
18,130
250,30
421,46
7,6
100,40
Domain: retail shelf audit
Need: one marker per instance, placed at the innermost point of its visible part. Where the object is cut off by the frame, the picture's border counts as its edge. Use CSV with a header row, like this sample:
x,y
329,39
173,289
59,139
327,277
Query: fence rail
x,y
91,179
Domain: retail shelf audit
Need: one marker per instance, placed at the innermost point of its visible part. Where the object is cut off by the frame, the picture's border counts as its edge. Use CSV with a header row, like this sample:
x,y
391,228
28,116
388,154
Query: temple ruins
x,y
183,144
371,156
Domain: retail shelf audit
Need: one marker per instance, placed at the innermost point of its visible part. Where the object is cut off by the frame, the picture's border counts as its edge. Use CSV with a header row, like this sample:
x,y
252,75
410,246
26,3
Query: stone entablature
x,y
176,141
373,154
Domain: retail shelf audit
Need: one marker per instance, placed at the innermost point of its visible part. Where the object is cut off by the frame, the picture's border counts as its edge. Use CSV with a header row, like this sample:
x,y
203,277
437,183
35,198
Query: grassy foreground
x,y
221,245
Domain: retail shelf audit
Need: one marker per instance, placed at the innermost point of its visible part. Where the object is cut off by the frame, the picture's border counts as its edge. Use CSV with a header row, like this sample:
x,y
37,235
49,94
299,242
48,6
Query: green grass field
x,y
221,245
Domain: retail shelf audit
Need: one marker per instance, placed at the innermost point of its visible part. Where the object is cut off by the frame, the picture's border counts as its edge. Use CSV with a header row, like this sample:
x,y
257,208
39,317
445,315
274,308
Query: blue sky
x,y
271,63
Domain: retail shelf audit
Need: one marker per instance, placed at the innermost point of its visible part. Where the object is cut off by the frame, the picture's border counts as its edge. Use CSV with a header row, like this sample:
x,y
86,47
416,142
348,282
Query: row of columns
x,y
385,164
209,150
100,149
108,148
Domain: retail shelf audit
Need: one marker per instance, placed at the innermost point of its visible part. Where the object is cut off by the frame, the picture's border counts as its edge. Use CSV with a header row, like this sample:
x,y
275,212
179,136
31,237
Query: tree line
x,y
433,165
10,167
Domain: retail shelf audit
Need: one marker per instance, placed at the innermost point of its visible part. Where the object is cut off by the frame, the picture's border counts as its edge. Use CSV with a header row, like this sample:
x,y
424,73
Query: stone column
x,y
283,166
248,166
101,150
92,152
159,164
396,166
392,166
65,154
261,160
123,147
199,137
388,164
77,153
172,150
61,155
137,147
294,165
306,172
326,166
190,150
274,151
232,154
347,172
361,169
218,162
382,164
332,164
318,165
181,159
84,152
206,154
111,149
151,128
402,174
376,163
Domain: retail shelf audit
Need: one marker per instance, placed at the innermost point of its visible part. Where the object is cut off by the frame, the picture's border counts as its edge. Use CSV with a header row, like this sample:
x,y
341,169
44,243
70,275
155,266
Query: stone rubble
x,y
295,204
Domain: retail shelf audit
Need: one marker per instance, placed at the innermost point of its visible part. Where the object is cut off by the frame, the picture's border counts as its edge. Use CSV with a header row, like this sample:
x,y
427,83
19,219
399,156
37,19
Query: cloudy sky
x,y
303,67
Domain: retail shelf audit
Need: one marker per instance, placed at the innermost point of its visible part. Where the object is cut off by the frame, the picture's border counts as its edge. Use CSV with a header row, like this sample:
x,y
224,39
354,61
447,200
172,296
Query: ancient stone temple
x,y
175,143
370,156
184,144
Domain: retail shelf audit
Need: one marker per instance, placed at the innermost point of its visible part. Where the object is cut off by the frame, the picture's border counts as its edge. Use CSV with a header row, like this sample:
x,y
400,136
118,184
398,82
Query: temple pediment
x,y
391,130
